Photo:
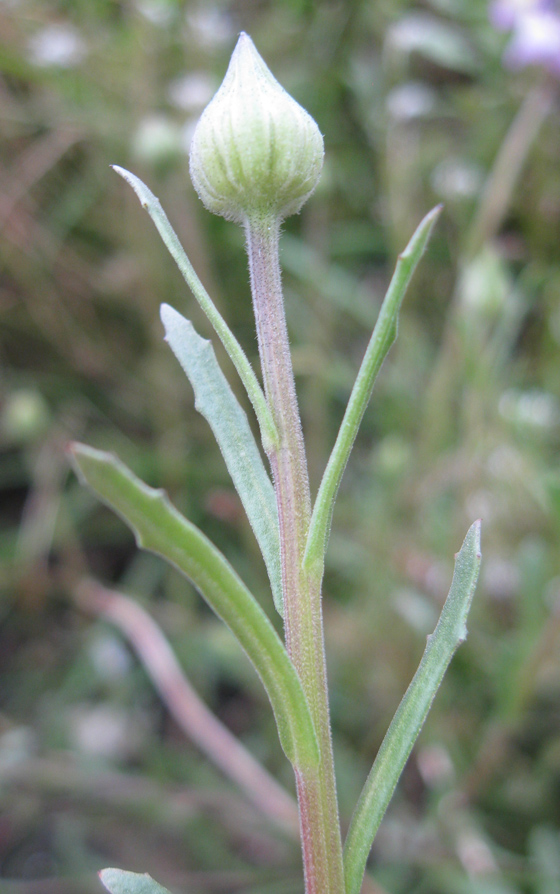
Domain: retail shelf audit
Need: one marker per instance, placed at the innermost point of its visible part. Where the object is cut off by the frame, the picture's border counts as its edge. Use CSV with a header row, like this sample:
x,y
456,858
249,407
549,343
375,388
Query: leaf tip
x,y
478,526
140,188
431,218
476,529
167,314
122,172
70,447
421,236
470,547
74,450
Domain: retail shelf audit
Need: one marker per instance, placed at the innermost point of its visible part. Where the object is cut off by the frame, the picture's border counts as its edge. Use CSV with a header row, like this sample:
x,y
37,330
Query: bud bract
x,y
255,151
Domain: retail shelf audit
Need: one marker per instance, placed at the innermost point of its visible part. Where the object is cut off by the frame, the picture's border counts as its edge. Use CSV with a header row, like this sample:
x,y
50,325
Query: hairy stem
x,y
320,830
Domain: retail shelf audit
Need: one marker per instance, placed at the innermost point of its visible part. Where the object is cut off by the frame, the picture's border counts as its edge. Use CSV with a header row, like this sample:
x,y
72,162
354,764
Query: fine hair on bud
x,y
255,153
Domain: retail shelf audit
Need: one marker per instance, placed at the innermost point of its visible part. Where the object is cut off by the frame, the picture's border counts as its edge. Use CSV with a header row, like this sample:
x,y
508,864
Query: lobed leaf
x,y
219,406
160,528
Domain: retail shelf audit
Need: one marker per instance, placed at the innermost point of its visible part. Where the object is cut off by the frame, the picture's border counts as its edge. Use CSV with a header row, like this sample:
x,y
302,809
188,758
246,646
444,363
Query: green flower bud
x,y
255,151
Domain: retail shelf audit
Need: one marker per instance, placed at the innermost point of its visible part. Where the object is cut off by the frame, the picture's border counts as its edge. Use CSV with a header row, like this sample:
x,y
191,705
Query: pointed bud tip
x,y
255,152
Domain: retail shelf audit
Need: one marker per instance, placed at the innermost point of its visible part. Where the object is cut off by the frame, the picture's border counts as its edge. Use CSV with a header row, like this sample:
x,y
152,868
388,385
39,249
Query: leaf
x,y
450,632
383,336
238,357
219,406
160,528
119,881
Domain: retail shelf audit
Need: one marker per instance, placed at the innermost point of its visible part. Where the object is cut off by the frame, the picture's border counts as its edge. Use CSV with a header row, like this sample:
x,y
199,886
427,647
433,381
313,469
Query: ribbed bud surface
x,y
255,151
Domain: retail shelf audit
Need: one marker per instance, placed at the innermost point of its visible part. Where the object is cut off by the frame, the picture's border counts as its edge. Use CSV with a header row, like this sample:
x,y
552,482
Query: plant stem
x,y
320,829
508,166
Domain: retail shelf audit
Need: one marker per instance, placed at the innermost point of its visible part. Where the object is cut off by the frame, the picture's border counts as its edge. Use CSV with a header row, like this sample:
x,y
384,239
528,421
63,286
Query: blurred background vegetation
x,y
417,108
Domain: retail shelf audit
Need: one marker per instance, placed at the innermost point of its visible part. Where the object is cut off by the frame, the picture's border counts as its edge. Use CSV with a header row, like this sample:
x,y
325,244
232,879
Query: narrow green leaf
x,y
219,406
450,632
160,528
118,881
383,336
238,357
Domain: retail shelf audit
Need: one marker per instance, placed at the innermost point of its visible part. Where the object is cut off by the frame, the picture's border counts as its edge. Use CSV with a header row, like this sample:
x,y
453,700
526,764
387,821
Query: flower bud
x,y
255,152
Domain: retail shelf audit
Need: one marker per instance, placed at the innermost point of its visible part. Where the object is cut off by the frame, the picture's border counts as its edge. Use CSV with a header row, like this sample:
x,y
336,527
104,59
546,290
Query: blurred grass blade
x,y
219,406
118,881
383,336
153,206
160,528
450,632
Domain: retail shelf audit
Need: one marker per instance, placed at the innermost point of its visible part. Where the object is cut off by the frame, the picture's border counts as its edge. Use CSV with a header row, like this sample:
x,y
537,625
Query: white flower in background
x,y
106,731
456,178
57,46
534,408
157,140
110,657
210,26
191,92
411,101
158,12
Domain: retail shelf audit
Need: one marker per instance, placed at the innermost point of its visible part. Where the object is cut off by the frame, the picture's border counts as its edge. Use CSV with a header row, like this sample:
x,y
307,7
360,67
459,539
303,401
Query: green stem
x,y
320,829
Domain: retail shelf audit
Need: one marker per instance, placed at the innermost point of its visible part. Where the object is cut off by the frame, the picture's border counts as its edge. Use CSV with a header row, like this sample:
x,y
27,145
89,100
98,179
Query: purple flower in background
x,y
504,13
536,32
